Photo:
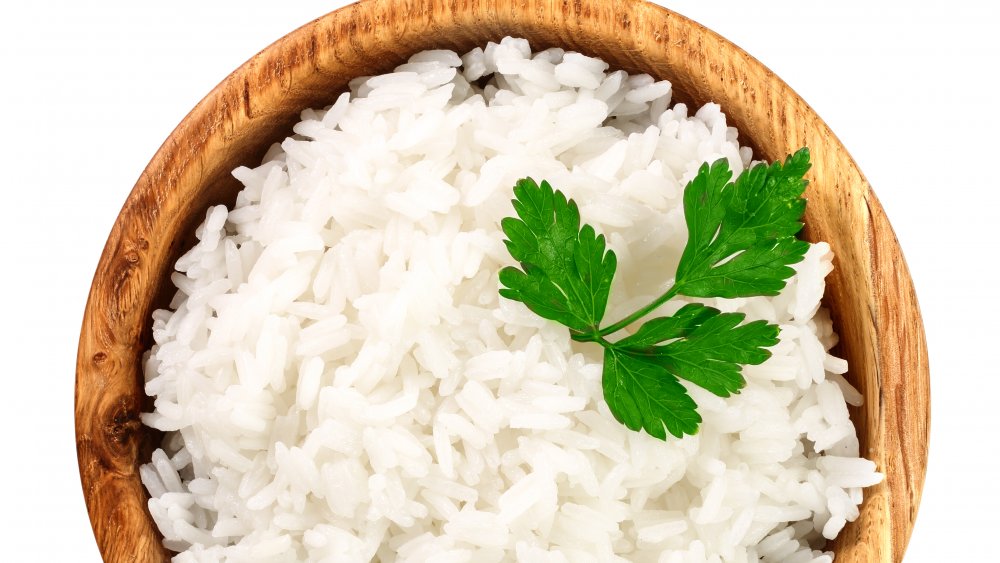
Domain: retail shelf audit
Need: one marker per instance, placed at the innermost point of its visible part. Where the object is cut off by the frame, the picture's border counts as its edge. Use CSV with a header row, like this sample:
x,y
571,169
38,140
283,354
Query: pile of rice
x,y
340,380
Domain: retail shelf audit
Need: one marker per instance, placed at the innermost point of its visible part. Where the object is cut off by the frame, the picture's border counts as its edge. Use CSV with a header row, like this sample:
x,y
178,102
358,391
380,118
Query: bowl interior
x,y
869,293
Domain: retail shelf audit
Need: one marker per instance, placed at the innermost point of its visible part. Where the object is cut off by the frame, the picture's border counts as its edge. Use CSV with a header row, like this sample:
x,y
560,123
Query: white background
x,y
90,90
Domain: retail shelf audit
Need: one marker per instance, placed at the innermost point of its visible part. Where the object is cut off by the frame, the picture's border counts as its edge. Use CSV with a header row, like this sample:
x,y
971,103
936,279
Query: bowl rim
x,y
107,431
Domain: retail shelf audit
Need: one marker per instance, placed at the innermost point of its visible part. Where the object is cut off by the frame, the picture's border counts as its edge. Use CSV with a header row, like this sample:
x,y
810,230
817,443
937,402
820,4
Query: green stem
x,y
640,313
589,337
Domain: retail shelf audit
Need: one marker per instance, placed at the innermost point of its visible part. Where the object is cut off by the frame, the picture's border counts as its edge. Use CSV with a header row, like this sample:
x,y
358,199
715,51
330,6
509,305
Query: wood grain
x,y
870,292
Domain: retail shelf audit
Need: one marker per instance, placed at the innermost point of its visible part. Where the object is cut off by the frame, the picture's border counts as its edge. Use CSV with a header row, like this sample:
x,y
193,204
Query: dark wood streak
x,y
870,293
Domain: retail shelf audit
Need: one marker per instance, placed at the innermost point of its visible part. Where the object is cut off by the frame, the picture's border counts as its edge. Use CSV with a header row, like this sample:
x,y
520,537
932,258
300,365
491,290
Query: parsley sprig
x,y
741,243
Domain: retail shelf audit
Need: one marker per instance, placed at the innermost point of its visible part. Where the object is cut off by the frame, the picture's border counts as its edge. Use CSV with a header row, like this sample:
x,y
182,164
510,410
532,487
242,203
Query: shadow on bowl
x,y
870,293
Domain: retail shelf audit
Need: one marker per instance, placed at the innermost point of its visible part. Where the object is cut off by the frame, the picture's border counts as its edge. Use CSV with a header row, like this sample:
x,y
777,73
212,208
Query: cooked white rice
x,y
340,380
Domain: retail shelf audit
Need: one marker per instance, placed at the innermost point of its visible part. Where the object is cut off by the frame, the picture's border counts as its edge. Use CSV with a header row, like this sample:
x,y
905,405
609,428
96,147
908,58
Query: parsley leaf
x,y
741,235
741,243
678,325
643,394
704,346
567,270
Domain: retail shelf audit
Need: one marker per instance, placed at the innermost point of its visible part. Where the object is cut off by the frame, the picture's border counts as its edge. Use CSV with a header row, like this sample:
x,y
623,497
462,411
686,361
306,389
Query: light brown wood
x,y
870,292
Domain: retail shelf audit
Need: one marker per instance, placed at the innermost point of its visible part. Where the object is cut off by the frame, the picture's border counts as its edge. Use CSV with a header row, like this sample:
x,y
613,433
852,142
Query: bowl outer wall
x,y
870,293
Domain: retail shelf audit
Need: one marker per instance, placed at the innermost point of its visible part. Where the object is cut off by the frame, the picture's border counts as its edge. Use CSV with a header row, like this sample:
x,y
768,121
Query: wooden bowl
x,y
870,292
